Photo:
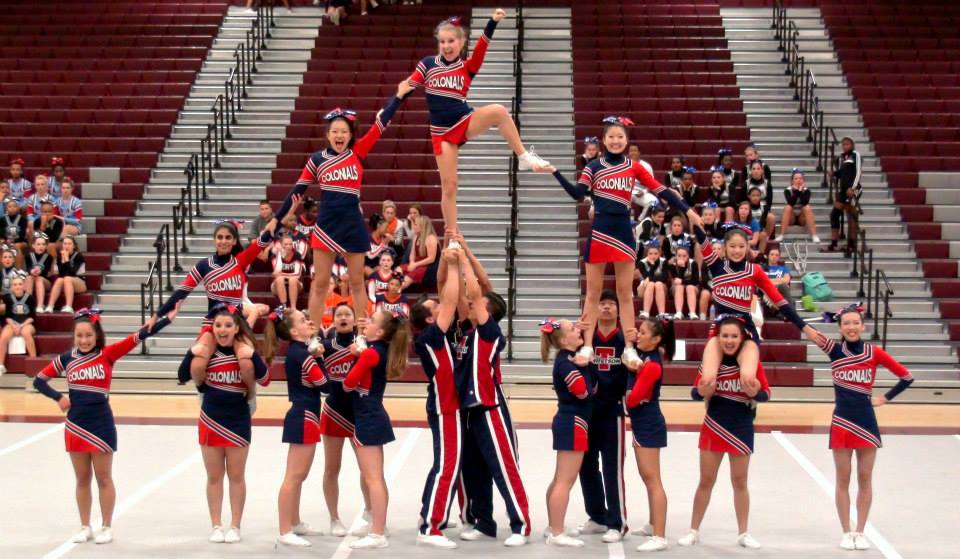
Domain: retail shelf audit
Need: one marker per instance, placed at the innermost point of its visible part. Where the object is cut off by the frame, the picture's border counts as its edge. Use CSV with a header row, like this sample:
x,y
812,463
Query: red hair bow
x,y
56,161
348,114
277,313
453,20
549,325
92,314
18,161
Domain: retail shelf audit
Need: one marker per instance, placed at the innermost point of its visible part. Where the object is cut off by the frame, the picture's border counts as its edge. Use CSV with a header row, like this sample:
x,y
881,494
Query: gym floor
x,y
161,509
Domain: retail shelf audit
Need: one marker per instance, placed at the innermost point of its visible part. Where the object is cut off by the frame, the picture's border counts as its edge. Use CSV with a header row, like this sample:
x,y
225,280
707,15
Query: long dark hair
x,y
244,332
277,328
663,328
396,333
97,330
232,229
739,323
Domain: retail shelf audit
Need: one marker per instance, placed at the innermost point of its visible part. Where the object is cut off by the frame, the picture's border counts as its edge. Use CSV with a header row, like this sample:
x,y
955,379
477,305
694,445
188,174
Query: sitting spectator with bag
x,y
19,312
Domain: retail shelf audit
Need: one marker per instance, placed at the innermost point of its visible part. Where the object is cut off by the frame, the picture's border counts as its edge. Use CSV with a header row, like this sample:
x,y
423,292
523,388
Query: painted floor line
x,y
134,499
31,439
390,473
881,543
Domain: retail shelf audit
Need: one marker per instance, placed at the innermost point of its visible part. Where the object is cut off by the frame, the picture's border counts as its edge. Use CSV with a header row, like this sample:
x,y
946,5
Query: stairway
x,y
238,187
916,335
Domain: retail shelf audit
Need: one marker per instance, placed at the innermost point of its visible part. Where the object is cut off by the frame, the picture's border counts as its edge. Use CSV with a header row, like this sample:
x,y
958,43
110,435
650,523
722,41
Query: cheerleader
x,y
757,180
846,199
337,418
574,387
656,343
734,282
71,277
224,279
640,196
854,427
433,321
652,227
393,301
684,277
69,208
340,229
58,175
38,266
719,194
90,432
380,277
301,426
300,220
591,150
731,178
751,155
19,313
287,271
385,358
20,187
603,490
796,198
609,181
446,78
8,268
225,425
40,195
727,429
13,226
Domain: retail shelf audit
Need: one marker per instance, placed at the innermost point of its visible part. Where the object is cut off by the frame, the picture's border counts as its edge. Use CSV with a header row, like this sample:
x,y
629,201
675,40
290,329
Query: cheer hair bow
x,y
652,243
731,225
690,169
348,114
276,314
835,317
92,314
625,121
453,20
796,171
664,318
17,161
727,316
228,307
549,325
238,223
591,140
724,151
712,204
56,161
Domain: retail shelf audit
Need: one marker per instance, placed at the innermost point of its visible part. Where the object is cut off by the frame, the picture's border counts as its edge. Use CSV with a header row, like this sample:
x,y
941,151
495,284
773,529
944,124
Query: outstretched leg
x,y
485,118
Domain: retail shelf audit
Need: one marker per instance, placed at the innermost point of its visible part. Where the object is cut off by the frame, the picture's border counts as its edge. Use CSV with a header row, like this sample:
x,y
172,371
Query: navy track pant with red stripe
x,y
441,484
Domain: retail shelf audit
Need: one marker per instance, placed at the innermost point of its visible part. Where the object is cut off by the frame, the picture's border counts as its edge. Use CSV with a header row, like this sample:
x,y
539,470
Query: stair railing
x,y
153,286
887,313
514,227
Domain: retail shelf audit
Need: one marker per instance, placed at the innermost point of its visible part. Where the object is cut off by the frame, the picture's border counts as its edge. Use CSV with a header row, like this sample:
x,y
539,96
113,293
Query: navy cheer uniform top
x,y
305,381
336,417
574,387
367,382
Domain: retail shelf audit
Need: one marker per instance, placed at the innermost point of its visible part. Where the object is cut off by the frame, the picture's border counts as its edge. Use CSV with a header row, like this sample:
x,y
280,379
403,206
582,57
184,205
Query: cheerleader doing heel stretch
x,y
225,418
90,433
854,427
727,429
609,181
735,282
446,78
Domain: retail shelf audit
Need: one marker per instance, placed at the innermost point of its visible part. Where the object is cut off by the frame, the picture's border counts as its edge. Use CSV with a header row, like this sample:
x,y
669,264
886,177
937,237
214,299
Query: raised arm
x,y
475,60
474,294
249,254
449,289
363,146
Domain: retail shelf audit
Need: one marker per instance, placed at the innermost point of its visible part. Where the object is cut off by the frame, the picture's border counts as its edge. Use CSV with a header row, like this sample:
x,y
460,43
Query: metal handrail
x,y
514,226
153,284
887,314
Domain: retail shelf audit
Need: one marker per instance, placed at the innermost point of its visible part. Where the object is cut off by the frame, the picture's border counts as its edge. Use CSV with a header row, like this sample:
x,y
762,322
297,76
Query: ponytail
x,y
550,336
396,332
277,328
663,327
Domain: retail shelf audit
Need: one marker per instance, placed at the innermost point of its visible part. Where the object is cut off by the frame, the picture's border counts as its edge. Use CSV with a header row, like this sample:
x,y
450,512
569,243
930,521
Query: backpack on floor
x,y
816,286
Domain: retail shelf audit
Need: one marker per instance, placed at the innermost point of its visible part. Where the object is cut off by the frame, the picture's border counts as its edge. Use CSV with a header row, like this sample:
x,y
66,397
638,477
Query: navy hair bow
x,y
549,325
591,140
712,204
690,169
730,225
725,151
92,314
347,114
625,121
852,307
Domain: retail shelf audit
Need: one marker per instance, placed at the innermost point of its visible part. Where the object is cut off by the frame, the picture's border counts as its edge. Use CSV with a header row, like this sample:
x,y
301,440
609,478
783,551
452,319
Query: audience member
x,y
652,272
684,277
287,274
39,265
420,261
71,276
69,208
19,313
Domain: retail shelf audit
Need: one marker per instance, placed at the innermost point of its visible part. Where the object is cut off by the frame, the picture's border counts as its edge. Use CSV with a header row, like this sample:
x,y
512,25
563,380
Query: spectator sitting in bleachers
x,y
719,194
41,194
20,187
71,276
8,268
751,154
396,228
57,175
337,294
748,222
422,256
378,243
337,10
731,178
13,227
676,236
674,177
651,227
758,211
39,265
413,214
287,273
797,207
779,274
689,189
50,225
380,277
5,190
757,181
591,150
651,271
301,224
684,277
19,312
393,300
264,215
69,208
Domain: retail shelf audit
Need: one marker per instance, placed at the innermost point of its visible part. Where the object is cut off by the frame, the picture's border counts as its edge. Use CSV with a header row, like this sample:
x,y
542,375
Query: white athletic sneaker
x,y
232,535
50,308
304,529
654,543
561,540
335,18
3,370
105,535
530,159
860,541
779,239
690,538
515,540
646,530
41,309
66,309
83,535
747,541
471,534
370,541
292,540
439,541
337,529
361,527
612,536
588,527
694,316
848,541
216,536
814,239
644,315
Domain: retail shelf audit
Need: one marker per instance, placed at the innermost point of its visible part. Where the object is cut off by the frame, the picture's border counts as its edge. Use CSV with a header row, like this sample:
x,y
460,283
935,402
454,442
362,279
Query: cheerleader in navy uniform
x,y
757,180
385,358
393,301
301,426
90,432
656,343
446,78
719,194
609,180
337,420
727,429
846,200
603,489
734,283
571,424
854,427
225,418
340,229
433,321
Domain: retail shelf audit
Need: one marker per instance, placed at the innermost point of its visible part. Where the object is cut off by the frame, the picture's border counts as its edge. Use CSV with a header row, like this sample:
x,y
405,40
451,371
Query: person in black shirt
x,y
652,273
751,154
706,281
731,178
684,276
651,227
849,167
675,239
38,265
13,228
51,226
8,268
797,208
674,176
71,274
720,195
19,312
757,180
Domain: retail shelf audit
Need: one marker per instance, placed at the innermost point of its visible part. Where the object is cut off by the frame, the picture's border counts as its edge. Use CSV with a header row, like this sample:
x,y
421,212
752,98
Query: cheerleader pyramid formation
x,y
607,366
